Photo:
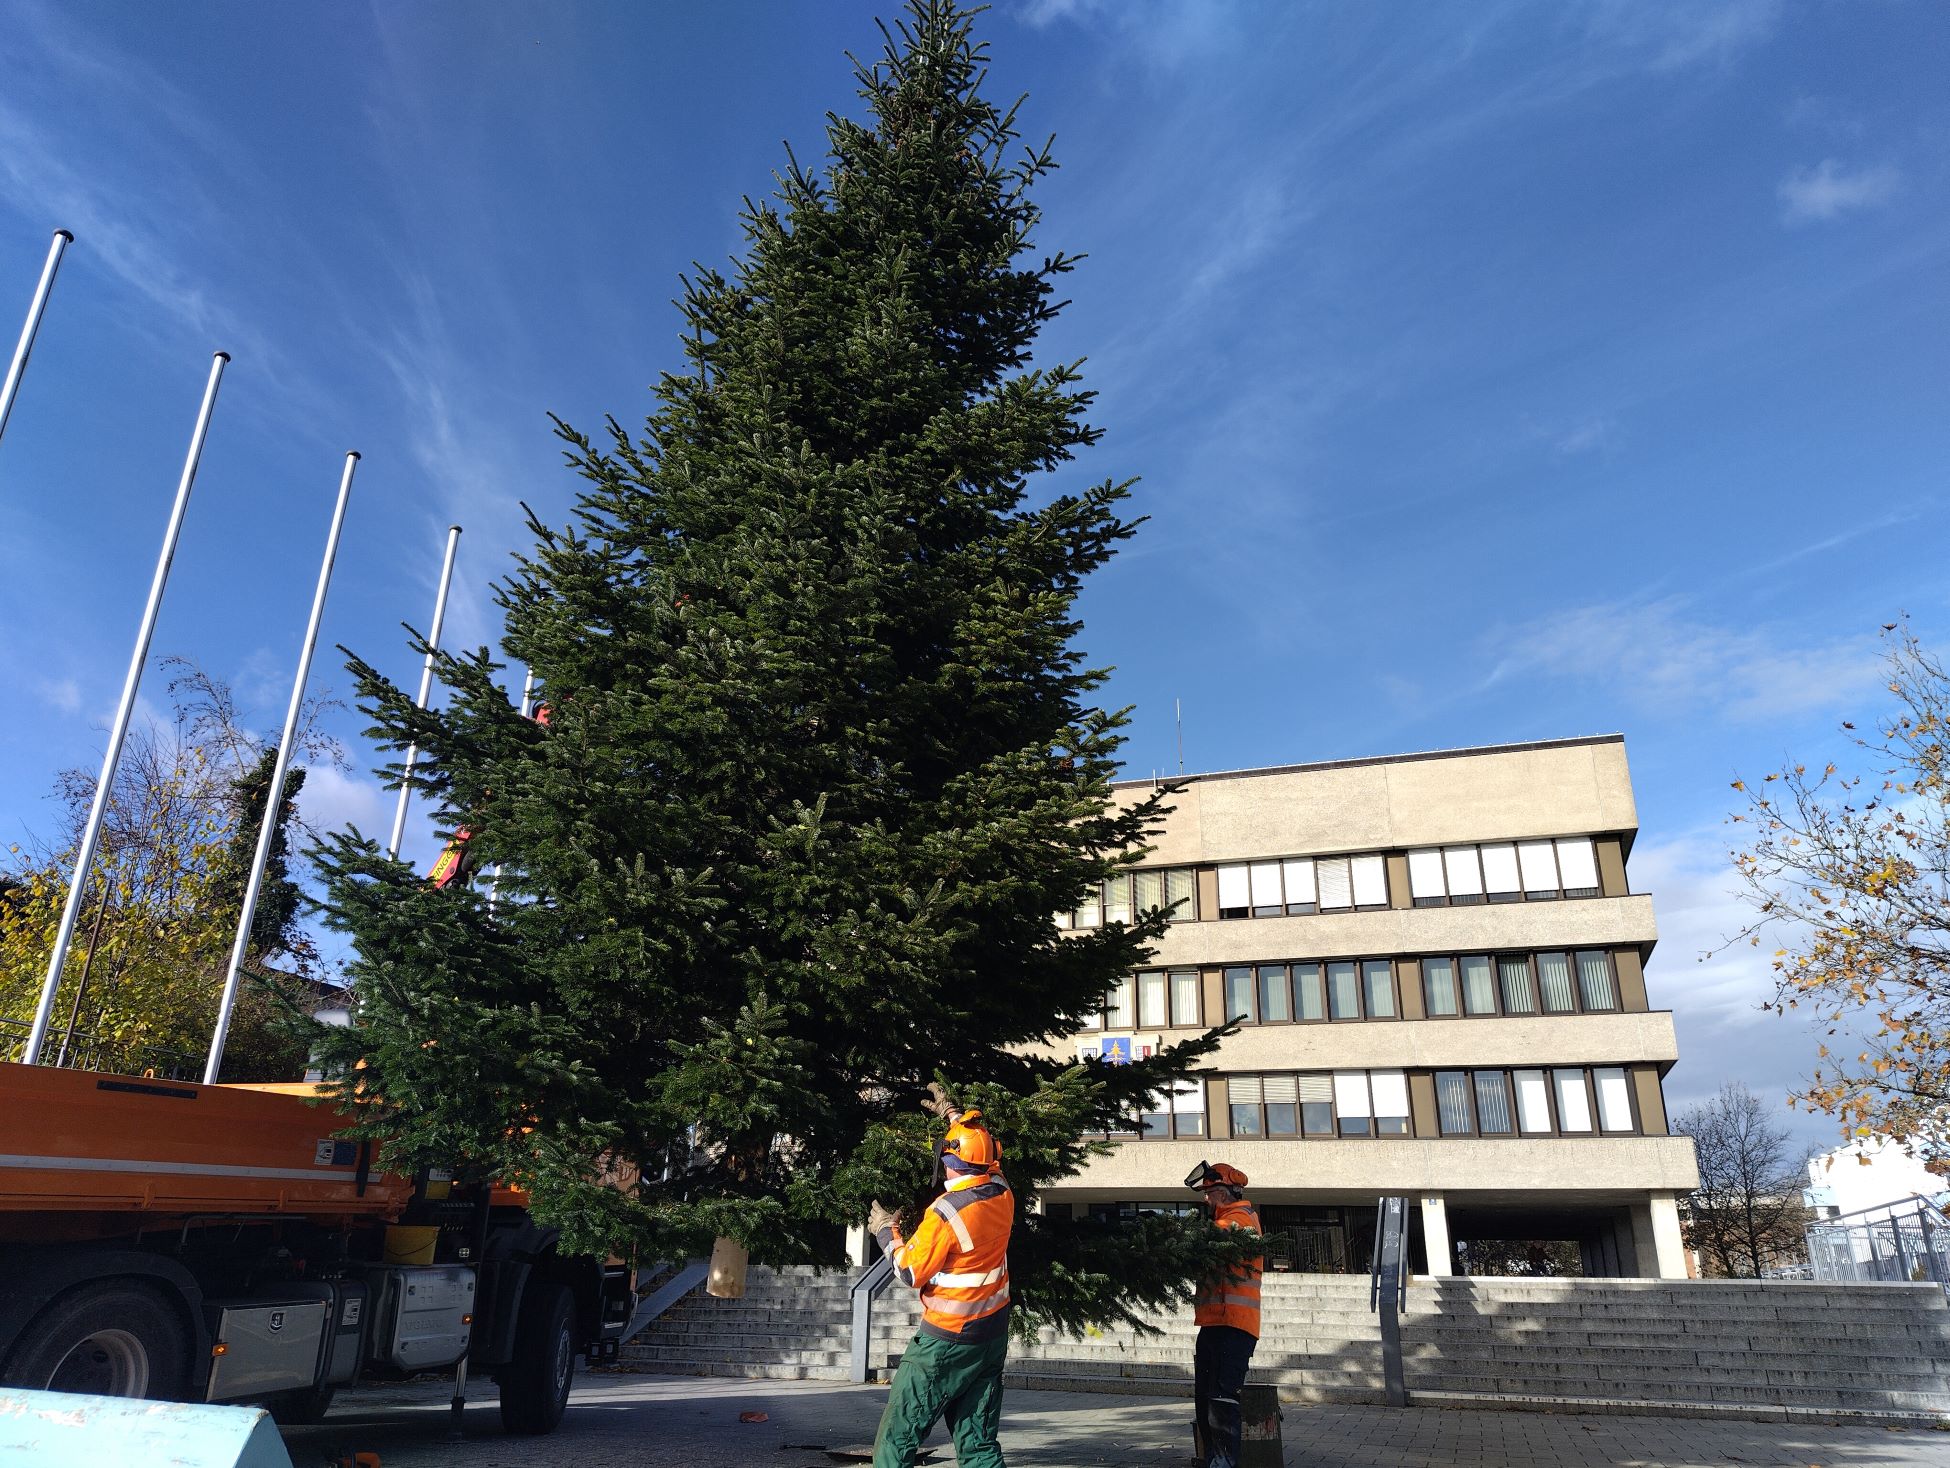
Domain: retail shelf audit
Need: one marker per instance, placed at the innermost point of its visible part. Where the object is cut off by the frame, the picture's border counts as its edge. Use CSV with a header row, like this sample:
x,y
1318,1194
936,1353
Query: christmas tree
x,y
818,762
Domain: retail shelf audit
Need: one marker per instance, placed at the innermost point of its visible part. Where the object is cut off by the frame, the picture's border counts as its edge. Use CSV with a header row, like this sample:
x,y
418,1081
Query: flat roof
x,y
1378,759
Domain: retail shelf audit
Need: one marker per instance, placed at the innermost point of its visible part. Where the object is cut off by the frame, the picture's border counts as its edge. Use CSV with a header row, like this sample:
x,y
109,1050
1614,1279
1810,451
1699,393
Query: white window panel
x,y
1243,1091
1459,864
1066,920
1180,895
1299,881
1280,1090
1539,866
1184,997
1121,1017
1336,886
1390,1089
1151,1001
1351,1094
1266,884
1577,859
1316,1087
1188,1098
1370,881
1233,888
1150,888
1614,1099
1533,1101
1425,874
1500,868
1573,1101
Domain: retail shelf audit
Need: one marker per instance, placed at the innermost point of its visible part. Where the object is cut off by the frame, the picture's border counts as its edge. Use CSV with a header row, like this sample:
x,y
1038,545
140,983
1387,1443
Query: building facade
x,y
1438,965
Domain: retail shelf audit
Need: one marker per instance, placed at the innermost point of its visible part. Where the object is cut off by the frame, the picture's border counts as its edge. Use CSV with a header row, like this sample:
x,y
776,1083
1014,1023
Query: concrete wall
x,y
1563,788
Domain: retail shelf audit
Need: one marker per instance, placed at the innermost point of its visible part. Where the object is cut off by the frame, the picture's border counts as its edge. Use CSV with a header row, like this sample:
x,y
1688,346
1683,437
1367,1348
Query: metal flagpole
x,y
426,687
274,800
527,707
62,239
118,732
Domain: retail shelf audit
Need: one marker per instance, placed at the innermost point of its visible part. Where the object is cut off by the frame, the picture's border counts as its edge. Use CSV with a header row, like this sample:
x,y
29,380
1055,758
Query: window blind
x,y
1184,997
1492,1103
1370,875
1554,978
1343,996
1299,881
1280,1090
1439,982
1539,866
1233,888
1479,985
1179,890
1188,1098
1150,889
1151,1001
1336,885
1351,1094
1120,1005
1515,974
1459,866
1390,1091
1594,980
1452,1102
1117,900
1577,859
1425,874
1316,1087
1243,1090
1378,979
1500,868
1265,883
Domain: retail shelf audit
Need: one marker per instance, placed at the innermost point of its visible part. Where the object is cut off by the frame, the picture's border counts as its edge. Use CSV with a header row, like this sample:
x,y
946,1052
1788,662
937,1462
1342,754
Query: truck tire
x,y
113,1338
535,1383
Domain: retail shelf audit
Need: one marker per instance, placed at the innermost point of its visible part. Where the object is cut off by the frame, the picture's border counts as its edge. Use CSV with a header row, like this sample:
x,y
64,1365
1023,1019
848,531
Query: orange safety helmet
x,y
969,1142
1215,1174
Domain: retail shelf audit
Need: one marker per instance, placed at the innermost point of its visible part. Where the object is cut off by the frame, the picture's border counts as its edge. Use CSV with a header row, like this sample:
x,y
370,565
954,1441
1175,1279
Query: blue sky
x,y
1494,371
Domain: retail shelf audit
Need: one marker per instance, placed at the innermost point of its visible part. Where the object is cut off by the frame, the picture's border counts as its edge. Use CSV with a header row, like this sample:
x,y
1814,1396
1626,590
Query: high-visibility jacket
x,y
1232,1298
959,1259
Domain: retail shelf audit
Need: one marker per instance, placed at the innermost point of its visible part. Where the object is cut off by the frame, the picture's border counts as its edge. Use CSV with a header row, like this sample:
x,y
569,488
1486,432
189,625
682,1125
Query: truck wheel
x,y
114,1338
535,1384
301,1409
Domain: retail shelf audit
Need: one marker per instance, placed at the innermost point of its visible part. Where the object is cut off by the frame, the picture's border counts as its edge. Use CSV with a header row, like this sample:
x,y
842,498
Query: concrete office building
x,y
1439,962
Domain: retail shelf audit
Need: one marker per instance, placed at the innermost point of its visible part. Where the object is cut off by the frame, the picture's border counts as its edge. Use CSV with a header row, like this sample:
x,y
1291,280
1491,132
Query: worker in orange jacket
x,y
958,1258
1227,1314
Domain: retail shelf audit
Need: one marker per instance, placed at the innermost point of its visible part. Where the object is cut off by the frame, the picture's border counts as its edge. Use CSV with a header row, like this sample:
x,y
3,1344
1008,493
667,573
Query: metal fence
x,y
1898,1242
102,1053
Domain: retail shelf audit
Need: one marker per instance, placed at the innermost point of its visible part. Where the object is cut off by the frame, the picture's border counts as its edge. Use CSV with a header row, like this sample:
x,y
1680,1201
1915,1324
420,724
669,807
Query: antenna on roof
x,y
1178,713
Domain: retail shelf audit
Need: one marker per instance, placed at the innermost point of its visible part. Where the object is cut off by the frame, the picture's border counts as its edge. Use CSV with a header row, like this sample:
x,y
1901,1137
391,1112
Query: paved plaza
x,y
616,1420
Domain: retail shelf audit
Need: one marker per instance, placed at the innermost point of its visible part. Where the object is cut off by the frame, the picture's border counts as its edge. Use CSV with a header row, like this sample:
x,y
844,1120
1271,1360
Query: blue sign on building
x,y
1117,1050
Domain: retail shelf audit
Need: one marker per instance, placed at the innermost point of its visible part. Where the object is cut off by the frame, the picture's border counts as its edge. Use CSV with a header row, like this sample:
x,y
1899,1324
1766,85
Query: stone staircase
x,y
1728,1347
1719,1348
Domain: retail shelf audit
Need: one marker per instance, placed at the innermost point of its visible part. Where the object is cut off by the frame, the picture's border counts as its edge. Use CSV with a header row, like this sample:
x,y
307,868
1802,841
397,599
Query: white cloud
x,y
1672,35
333,800
63,694
1831,189
1667,661
1042,13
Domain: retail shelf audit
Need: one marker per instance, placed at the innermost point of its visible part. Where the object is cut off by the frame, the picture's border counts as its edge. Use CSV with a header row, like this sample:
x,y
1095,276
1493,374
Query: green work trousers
x,y
938,1377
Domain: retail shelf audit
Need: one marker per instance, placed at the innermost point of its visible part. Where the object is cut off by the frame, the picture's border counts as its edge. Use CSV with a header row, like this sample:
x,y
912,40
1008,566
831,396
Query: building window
x,y
1184,999
1452,1103
1129,894
1378,987
1439,995
1492,1103
1388,1089
1239,994
1533,1102
1594,980
1554,981
1351,1102
1614,1099
1573,1101
1513,981
1153,1010
1343,994
1479,987
1299,885
1243,1097
1282,1096
1309,997
1118,1013
1316,1105
1179,1112
1503,871
1275,997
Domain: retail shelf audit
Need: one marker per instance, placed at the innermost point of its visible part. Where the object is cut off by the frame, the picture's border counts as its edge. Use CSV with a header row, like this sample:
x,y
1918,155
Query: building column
x,y
1435,1237
1656,1241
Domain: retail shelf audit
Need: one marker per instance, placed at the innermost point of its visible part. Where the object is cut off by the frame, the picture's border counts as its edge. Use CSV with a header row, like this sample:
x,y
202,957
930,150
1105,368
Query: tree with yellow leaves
x,y
141,988
1850,876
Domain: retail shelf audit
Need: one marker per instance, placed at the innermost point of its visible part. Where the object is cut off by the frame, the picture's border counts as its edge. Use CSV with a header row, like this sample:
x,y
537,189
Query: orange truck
x,y
221,1243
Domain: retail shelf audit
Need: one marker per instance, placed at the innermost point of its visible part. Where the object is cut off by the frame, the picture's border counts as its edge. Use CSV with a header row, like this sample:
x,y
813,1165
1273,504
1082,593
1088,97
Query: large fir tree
x,y
820,761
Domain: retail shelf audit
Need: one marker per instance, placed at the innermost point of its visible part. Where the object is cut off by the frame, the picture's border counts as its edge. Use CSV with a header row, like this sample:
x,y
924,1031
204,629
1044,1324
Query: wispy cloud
x,y
1673,35
1669,662
63,695
1595,434
1831,189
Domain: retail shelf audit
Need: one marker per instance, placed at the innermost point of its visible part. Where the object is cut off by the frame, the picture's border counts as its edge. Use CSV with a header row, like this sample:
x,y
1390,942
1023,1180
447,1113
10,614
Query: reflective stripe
x,y
965,1307
970,1281
953,1216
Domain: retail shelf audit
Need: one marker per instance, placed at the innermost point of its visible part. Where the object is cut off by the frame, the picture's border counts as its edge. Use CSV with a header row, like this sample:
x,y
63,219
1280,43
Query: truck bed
x,y
78,1141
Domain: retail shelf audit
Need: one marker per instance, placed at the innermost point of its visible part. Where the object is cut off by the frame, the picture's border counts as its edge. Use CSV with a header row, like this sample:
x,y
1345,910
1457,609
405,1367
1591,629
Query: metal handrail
x,y
869,1287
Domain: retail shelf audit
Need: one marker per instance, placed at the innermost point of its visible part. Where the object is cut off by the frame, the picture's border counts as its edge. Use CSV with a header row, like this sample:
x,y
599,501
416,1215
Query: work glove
x,y
879,1216
938,1103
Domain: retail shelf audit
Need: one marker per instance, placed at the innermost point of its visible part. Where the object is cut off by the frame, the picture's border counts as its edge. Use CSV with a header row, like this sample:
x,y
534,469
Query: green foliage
x,y
822,757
